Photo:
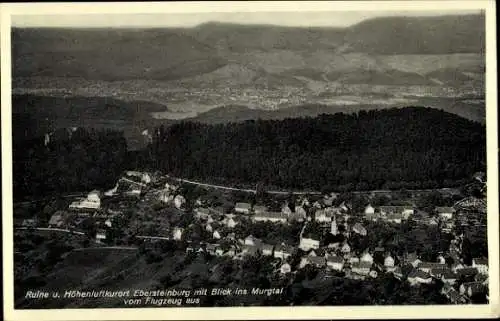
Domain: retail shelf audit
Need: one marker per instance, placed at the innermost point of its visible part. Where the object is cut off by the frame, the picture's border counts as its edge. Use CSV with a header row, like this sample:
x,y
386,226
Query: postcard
x,y
249,160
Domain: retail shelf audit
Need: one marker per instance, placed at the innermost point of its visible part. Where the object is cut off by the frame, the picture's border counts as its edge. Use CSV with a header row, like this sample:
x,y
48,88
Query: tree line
x,y
408,148
69,161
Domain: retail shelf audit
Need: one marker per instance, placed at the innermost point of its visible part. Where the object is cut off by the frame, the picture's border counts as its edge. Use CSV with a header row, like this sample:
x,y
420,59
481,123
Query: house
x,y
217,211
28,222
369,210
242,208
373,274
427,267
286,210
304,201
317,204
394,218
232,251
251,240
359,229
432,221
266,249
466,272
317,261
396,212
334,228
170,187
345,248
258,209
308,243
283,251
285,268
322,216
211,248
353,259
93,201
57,219
112,191
449,292
202,213
389,263
216,235
179,201
133,192
166,197
229,222
447,226
300,212
344,207
108,223
275,217
398,273
209,228
177,233
361,268
412,259
441,259
481,264
448,277
249,250
471,204
219,251
416,277
335,263
143,177
366,257
445,213
334,246
328,200
472,288
100,235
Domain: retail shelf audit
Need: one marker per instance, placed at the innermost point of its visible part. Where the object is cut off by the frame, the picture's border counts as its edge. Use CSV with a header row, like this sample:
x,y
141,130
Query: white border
x,y
365,312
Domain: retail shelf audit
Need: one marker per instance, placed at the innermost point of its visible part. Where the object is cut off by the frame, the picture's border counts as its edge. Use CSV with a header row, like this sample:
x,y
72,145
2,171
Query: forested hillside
x,y
393,148
72,161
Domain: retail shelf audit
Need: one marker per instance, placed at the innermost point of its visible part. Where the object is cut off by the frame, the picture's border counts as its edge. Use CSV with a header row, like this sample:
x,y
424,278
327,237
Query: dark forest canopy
x,y
72,161
413,147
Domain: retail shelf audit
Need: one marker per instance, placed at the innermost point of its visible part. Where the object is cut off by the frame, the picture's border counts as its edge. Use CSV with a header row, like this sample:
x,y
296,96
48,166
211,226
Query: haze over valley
x,y
219,72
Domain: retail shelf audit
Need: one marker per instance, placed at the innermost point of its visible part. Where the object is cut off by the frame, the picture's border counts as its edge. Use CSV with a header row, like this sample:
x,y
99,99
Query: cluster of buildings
x,y
461,282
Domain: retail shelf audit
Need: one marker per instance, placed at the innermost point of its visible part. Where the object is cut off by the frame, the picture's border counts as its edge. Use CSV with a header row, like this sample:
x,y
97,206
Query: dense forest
x,y
70,161
410,148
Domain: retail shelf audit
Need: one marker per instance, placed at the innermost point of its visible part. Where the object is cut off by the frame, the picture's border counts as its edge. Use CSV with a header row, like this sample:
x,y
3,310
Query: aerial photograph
x,y
249,159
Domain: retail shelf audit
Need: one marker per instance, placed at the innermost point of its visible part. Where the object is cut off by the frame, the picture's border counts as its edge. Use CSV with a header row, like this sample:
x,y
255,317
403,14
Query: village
x,y
324,232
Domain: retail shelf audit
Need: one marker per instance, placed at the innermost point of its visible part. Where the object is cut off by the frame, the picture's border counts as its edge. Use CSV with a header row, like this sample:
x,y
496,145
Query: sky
x,y
301,19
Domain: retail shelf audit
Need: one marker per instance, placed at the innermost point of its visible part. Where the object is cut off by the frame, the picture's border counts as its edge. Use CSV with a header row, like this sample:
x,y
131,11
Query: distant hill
x,y
378,77
418,35
385,35
411,147
450,76
90,108
474,111
110,54
241,38
174,53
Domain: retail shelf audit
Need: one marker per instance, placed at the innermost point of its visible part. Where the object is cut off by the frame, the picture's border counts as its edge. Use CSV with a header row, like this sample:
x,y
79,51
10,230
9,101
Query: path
x,y
247,190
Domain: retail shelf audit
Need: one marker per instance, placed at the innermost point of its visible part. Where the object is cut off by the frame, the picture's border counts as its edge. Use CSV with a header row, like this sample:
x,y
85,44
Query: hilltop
x,y
170,53
411,147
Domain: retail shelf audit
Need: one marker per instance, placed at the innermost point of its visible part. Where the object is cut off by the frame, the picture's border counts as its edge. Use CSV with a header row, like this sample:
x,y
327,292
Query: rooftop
x,y
481,261
445,209
243,205
418,274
